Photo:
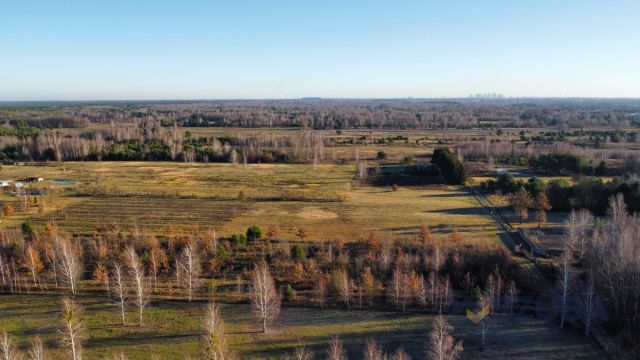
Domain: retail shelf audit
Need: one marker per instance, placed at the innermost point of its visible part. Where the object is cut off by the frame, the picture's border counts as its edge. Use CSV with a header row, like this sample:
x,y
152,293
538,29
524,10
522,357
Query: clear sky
x,y
185,49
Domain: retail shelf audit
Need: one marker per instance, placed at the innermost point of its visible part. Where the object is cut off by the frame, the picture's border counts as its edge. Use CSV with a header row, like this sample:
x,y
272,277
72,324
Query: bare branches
x,y
265,301
117,273
70,264
8,351
191,268
336,350
442,345
215,344
72,330
38,351
140,286
565,282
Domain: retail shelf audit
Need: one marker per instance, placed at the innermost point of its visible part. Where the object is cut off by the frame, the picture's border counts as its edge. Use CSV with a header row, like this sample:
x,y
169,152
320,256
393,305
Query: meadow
x,y
172,330
228,198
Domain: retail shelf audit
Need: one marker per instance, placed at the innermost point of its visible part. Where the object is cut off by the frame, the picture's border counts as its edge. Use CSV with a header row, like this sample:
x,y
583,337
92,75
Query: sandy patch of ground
x,y
314,213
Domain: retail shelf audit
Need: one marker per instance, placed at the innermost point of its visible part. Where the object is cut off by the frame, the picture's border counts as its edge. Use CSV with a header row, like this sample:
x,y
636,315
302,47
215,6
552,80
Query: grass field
x,y
327,201
172,331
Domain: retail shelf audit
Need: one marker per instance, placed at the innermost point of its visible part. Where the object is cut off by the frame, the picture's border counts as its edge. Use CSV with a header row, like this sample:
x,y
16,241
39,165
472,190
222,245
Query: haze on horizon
x,y
86,50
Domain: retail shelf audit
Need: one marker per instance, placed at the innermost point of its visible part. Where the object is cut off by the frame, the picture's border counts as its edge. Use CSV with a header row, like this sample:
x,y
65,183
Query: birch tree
x,y
158,259
8,350
302,353
136,273
72,330
265,300
336,350
38,351
442,345
120,286
70,264
394,288
484,306
564,283
33,263
372,351
215,337
190,266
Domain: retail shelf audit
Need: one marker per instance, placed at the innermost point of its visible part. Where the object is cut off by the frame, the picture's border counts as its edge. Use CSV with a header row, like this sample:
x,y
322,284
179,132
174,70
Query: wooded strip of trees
x,y
148,140
337,114
585,193
135,266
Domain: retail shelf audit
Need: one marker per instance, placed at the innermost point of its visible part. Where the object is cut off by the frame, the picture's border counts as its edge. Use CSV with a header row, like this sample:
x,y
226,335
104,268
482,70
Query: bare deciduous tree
x,y
336,350
38,351
191,268
372,351
8,351
215,337
320,289
302,353
394,288
33,263
157,259
73,330
442,345
120,286
70,264
484,305
344,286
136,273
578,225
265,300
565,282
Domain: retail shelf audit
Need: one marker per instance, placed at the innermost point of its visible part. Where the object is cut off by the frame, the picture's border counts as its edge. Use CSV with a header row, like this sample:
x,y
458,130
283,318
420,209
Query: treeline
x,y
339,114
149,140
585,193
565,164
607,252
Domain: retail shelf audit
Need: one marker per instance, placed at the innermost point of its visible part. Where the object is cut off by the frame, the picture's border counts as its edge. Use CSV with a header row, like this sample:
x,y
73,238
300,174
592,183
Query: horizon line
x,y
319,98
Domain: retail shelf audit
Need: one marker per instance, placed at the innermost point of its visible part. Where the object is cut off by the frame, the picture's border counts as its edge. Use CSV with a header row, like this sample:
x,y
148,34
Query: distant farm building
x,y
32,179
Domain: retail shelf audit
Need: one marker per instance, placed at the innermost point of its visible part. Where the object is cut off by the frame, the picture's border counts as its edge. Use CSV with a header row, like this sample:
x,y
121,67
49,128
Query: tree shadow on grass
x,y
435,229
411,338
471,210
142,338
453,194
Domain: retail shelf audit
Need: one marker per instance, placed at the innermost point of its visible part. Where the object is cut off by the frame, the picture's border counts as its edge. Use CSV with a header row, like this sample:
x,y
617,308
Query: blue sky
x,y
139,49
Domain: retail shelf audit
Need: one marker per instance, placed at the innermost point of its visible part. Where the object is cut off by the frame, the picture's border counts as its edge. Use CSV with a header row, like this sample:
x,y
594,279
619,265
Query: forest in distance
x,y
320,229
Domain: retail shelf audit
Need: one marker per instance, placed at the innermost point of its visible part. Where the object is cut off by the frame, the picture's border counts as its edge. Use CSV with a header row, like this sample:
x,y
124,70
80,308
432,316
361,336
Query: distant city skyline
x,y
249,49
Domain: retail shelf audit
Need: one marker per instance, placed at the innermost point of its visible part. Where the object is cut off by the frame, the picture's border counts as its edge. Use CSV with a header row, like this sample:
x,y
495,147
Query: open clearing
x,y
172,330
327,201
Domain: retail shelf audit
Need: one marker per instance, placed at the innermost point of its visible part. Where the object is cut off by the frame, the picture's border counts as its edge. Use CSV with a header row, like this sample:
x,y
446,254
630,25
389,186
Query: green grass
x,y
172,330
